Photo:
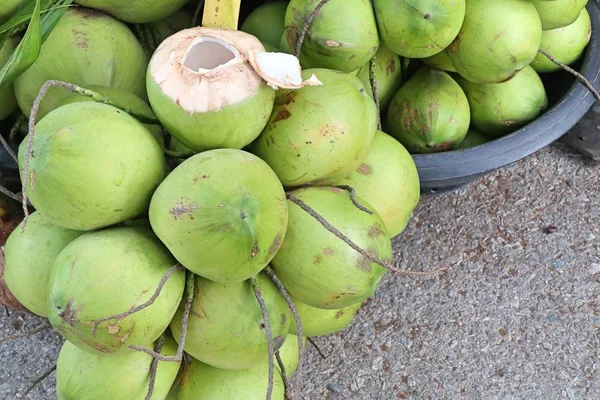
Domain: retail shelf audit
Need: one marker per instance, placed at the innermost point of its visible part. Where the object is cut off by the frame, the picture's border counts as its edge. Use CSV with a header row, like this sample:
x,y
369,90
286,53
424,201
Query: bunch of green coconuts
x,y
212,185
218,165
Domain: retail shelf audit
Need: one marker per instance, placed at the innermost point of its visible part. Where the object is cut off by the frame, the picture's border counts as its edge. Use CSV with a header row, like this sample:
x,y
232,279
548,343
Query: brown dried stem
x,y
26,334
356,247
286,383
373,81
269,333
154,367
570,70
142,306
306,26
184,324
356,203
316,346
299,331
39,380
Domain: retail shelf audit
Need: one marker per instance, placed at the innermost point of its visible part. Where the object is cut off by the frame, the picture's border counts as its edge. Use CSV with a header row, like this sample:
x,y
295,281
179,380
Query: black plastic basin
x,y
442,172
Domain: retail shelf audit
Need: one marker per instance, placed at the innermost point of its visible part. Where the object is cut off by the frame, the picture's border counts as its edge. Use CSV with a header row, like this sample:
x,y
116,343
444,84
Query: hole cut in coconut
x,y
280,70
208,53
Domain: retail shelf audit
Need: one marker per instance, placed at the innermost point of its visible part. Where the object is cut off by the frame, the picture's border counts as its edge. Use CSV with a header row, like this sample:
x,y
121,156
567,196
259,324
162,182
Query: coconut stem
x,y
142,306
286,383
39,380
33,118
12,136
373,80
306,26
570,70
177,154
356,203
221,14
154,366
356,247
26,334
8,149
8,193
299,331
321,353
269,333
197,13
184,324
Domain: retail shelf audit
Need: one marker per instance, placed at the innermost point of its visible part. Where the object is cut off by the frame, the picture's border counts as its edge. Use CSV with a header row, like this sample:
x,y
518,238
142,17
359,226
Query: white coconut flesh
x,y
280,70
205,69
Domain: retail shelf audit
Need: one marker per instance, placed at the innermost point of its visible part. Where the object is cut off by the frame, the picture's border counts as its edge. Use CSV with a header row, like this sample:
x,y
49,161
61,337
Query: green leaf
x,y
26,52
29,48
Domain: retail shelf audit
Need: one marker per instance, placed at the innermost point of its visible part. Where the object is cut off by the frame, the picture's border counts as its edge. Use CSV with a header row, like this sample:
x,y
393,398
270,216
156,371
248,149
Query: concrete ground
x,y
517,317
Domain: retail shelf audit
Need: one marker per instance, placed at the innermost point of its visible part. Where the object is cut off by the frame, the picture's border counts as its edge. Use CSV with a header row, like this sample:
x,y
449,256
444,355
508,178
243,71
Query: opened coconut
x,y
92,166
419,28
110,272
226,326
86,47
84,376
316,266
29,256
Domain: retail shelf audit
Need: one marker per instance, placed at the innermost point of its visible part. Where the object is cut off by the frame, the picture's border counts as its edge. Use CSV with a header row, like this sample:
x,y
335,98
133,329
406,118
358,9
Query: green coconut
x,y
290,354
497,39
203,382
558,13
267,22
441,61
178,21
125,100
566,44
474,138
8,8
319,322
93,166
319,133
284,45
389,181
86,48
8,102
419,28
226,326
205,92
29,255
388,72
270,48
109,272
430,112
317,267
222,213
500,108
341,37
84,376
135,11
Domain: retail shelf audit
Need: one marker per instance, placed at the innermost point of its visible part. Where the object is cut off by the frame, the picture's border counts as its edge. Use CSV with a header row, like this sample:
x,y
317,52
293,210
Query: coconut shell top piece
x,y
207,77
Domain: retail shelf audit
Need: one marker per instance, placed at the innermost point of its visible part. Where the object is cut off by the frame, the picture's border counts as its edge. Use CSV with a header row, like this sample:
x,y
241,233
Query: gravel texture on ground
x,y
517,316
